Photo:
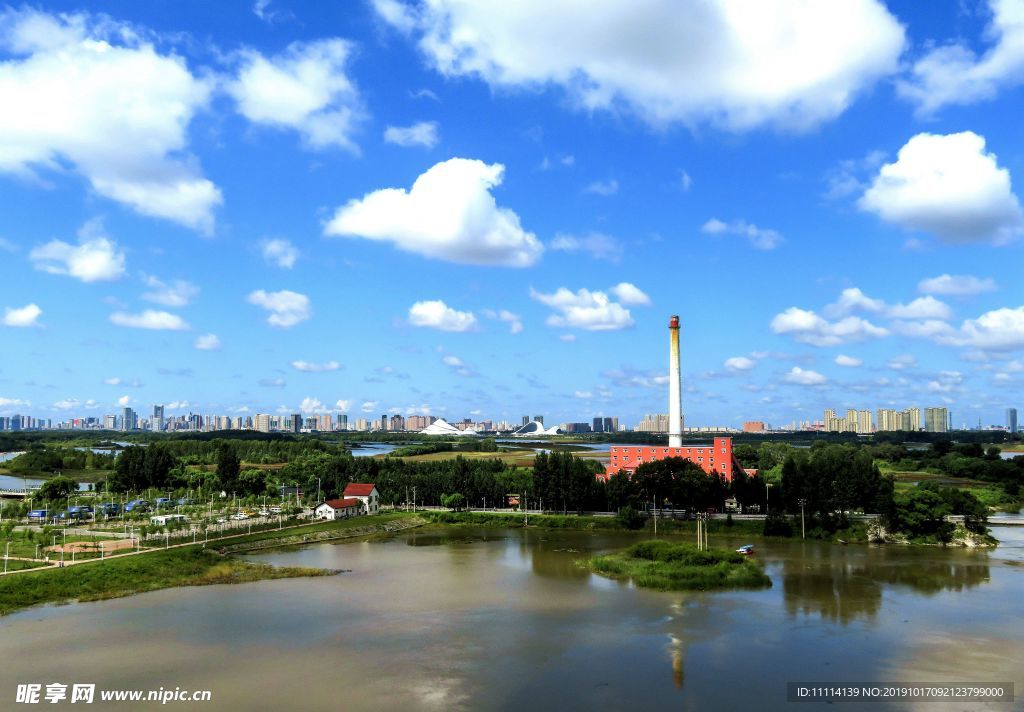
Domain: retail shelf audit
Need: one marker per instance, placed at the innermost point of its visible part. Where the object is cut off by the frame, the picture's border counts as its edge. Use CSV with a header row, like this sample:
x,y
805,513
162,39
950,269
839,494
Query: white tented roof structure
x,y
535,427
443,427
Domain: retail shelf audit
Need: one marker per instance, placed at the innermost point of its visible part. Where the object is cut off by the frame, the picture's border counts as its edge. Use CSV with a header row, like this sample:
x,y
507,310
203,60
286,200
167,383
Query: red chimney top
x,y
673,322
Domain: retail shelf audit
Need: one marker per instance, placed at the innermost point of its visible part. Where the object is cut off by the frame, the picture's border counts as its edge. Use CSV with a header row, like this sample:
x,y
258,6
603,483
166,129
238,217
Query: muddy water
x,y
497,619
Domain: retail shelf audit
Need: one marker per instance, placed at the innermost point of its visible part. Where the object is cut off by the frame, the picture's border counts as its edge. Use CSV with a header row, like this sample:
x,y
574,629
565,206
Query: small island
x,y
665,566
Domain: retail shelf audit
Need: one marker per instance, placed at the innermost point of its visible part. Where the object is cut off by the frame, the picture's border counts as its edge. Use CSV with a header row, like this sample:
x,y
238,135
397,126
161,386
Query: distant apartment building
x,y
936,420
539,419
129,419
526,420
598,425
1011,419
754,426
890,420
654,423
342,421
855,421
397,423
262,422
157,423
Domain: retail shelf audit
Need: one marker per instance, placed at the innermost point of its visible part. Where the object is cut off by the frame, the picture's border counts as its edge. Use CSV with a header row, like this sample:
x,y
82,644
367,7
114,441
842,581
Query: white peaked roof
x,y
535,427
443,427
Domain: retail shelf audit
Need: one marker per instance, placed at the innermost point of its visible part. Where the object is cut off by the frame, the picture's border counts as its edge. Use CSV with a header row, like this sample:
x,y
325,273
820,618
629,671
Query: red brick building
x,y
716,457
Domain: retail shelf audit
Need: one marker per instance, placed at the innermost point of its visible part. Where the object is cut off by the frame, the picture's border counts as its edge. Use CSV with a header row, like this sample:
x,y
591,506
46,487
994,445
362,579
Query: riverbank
x,y
185,565
665,566
190,566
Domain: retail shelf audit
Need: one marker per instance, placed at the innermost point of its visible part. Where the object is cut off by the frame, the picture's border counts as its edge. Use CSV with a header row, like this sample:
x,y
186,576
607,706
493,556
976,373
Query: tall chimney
x,y
675,387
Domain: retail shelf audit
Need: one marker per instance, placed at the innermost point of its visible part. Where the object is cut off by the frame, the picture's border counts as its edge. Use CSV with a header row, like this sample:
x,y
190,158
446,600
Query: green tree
x,y
228,467
58,487
455,501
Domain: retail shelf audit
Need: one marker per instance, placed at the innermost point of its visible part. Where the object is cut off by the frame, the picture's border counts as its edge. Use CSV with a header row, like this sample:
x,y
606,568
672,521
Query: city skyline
x,y
414,234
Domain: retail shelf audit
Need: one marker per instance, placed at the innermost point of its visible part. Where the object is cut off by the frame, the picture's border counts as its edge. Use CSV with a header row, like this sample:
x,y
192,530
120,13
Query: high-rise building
x,y
611,425
384,422
129,420
397,423
262,422
654,423
539,419
1011,419
936,420
296,422
598,426
526,420
753,426
157,423
342,421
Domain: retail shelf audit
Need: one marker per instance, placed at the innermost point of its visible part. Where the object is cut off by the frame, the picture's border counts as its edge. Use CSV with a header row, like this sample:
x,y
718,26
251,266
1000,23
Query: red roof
x,y
355,489
343,503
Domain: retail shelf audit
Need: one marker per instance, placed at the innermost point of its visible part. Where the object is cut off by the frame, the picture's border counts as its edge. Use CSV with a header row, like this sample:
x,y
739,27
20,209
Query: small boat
x,y
842,541
746,549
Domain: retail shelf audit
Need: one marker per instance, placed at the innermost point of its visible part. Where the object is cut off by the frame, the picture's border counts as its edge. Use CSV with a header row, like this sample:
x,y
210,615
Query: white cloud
x,y
567,338
685,181
305,89
453,361
603,187
853,299
422,133
207,342
369,406
584,309
921,308
89,92
809,328
22,316
272,382
67,404
13,402
902,362
435,314
150,319
279,252
630,295
792,64
514,321
954,74
759,237
956,285
739,363
177,294
124,401
803,377
847,361
114,381
312,405
286,308
449,214
95,258
342,405
583,395
949,186
599,245
311,367
178,405
996,330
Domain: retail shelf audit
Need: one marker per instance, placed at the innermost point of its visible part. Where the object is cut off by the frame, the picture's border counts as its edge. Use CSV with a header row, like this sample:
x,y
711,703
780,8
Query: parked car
x,y
137,505
239,516
163,502
38,514
109,509
276,510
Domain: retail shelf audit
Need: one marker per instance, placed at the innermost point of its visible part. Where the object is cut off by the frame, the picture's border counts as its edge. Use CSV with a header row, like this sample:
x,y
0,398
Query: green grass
x,y
135,574
680,567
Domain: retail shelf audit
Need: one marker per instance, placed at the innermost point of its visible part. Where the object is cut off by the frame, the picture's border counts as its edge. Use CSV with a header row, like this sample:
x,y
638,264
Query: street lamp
x,y
802,502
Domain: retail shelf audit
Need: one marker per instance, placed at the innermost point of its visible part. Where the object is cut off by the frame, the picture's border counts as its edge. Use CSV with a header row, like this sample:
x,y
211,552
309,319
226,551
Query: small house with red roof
x,y
338,508
365,493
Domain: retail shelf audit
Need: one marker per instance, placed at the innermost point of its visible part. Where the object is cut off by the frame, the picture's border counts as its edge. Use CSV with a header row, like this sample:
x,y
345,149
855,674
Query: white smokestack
x,y
675,387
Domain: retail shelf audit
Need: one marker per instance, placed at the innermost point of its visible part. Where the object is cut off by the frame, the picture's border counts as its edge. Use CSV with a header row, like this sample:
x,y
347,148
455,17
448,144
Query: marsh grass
x,y
666,566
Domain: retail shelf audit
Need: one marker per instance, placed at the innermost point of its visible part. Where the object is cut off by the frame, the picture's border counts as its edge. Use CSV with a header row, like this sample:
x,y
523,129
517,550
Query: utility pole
x,y
803,532
654,508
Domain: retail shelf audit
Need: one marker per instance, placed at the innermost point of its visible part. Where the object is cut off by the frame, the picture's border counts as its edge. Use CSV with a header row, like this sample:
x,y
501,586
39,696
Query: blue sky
x,y
483,211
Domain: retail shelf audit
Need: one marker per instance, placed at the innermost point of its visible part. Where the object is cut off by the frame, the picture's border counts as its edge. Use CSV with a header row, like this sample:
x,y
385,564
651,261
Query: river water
x,y
505,619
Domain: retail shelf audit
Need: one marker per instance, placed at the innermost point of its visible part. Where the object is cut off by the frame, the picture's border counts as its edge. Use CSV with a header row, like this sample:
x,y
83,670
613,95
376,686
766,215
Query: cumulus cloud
x,y
91,93
902,362
584,309
954,74
514,321
738,364
996,330
304,89
342,406
13,402
286,308
207,342
272,382
22,316
847,361
435,314
956,285
596,244
804,377
807,327
279,252
96,258
759,237
449,214
150,319
422,133
630,295
176,294
667,61
124,401
313,367
313,405
853,299
369,406
948,186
